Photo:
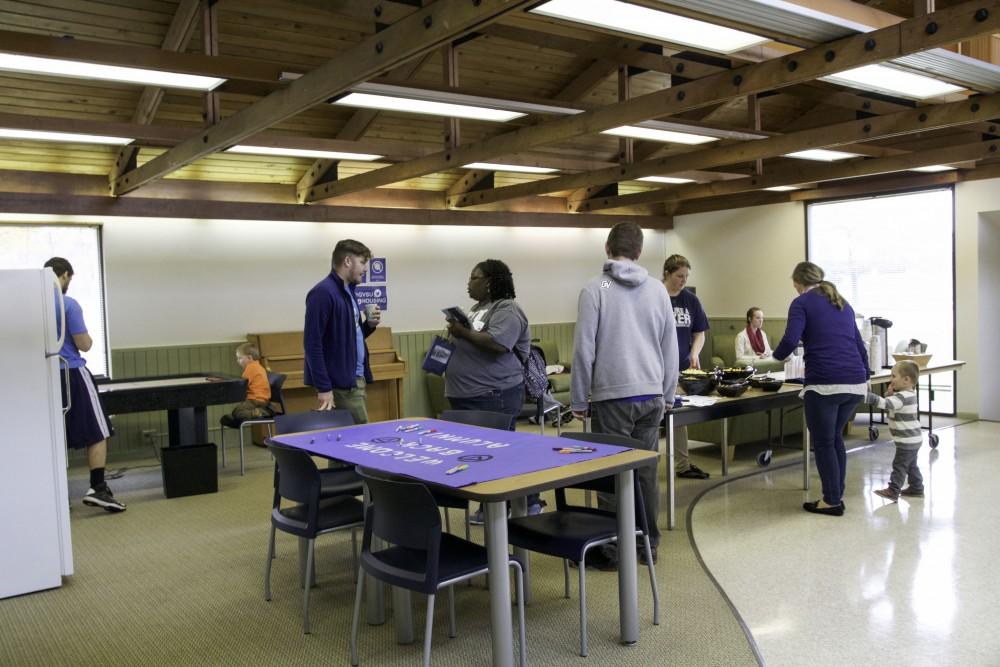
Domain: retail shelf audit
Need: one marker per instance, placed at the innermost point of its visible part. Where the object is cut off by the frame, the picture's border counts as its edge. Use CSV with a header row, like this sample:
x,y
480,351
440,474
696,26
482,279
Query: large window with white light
x,y
892,256
29,246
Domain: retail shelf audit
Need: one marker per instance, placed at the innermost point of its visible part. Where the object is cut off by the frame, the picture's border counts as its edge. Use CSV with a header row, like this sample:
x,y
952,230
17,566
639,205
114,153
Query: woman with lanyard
x,y
486,371
836,375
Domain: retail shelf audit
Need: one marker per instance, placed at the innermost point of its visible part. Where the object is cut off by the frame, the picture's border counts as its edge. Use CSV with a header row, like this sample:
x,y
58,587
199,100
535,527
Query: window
x,y
893,256
29,246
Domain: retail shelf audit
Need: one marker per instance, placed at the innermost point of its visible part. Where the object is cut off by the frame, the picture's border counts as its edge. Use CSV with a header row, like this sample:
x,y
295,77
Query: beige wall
x,y
974,203
174,282
742,257
988,367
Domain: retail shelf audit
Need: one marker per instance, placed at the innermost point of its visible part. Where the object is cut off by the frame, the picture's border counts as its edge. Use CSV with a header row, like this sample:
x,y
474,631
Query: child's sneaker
x,y
887,493
102,497
910,491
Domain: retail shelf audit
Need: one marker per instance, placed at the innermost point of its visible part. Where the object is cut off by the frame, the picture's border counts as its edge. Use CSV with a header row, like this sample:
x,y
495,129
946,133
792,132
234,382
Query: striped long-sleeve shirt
x,y
904,420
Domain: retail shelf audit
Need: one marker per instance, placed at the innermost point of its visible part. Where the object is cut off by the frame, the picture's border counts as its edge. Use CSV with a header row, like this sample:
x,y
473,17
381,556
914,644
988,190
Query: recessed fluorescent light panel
x,y
516,168
428,107
67,137
81,70
893,81
654,134
782,188
933,168
665,179
302,152
650,23
821,155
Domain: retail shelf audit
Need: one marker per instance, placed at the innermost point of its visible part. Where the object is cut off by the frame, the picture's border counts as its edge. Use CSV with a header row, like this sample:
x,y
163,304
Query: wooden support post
x,y
449,71
210,39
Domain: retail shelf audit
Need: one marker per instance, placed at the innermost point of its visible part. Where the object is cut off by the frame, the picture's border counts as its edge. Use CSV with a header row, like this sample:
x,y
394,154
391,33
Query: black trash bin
x,y
189,470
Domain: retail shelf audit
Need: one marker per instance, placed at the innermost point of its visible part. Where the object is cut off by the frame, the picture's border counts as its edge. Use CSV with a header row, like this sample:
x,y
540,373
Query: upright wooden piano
x,y
282,353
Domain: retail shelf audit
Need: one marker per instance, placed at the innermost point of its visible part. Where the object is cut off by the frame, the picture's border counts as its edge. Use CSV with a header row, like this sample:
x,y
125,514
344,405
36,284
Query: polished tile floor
x,y
911,583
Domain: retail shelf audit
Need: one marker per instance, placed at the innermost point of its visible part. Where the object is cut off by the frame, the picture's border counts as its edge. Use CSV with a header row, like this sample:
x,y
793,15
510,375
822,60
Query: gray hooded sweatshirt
x,y
626,341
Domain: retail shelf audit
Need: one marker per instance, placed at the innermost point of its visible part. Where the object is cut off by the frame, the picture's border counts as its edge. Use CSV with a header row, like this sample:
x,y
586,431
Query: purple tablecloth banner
x,y
443,452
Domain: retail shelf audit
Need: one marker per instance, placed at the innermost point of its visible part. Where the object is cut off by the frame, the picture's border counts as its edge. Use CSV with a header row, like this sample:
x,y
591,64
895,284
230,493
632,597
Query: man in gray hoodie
x,y
625,360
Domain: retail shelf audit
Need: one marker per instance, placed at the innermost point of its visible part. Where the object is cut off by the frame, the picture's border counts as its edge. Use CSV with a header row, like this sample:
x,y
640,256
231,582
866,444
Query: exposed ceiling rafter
x,y
952,24
418,33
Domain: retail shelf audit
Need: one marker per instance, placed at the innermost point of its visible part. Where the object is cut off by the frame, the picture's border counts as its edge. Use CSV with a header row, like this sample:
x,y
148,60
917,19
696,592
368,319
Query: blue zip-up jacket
x,y
331,354
834,351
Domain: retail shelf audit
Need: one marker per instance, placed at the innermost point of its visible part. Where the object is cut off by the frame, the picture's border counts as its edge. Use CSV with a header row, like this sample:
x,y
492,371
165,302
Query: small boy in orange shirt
x,y
258,402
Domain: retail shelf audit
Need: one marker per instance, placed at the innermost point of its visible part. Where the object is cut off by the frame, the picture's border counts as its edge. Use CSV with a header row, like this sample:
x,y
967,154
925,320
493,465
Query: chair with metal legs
x,y
572,530
298,481
276,380
421,557
337,476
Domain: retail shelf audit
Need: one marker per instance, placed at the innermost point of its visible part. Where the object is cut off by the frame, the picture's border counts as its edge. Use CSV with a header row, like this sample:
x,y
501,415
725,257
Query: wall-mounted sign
x,y
377,294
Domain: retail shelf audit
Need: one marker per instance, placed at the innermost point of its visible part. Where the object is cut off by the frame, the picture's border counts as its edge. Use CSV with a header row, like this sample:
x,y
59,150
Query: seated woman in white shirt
x,y
751,343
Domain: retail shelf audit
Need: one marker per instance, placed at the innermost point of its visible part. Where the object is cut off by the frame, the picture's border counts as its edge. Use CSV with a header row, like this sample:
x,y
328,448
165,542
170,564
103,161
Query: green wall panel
x,y
220,357
171,360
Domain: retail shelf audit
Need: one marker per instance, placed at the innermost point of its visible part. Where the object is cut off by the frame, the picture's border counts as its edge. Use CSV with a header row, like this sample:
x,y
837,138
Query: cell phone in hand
x,y
455,314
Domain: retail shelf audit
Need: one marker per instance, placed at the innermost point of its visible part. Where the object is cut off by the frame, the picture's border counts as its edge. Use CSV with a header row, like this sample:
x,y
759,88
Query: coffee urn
x,y
879,350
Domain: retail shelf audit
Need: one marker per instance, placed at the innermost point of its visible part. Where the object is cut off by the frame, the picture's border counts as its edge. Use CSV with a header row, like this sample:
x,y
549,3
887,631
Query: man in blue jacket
x,y
336,357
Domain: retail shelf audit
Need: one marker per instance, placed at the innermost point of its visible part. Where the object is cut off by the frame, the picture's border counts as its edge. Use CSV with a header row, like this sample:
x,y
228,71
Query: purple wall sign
x,y
444,452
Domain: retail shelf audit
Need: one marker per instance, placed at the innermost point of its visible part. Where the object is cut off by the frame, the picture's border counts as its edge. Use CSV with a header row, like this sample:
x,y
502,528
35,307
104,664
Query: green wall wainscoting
x,y
220,357
169,360
413,345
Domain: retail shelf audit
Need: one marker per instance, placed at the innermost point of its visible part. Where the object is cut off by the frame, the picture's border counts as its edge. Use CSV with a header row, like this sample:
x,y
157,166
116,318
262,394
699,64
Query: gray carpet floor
x,y
179,582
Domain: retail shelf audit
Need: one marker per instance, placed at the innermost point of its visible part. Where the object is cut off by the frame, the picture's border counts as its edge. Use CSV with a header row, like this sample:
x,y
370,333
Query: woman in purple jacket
x,y
836,375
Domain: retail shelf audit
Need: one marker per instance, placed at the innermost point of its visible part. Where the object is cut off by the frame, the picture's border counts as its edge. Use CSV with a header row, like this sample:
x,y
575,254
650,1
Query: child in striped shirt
x,y
904,423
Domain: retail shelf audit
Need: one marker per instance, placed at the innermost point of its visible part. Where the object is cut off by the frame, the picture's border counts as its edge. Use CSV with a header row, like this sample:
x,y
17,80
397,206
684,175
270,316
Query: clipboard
x,y
456,314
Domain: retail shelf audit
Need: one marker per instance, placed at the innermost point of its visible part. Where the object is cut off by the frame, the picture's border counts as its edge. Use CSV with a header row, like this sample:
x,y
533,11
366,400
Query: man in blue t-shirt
x,y
87,427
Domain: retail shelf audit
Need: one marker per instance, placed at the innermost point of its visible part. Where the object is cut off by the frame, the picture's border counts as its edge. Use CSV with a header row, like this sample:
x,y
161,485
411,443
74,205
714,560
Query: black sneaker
x,y
102,497
910,491
694,472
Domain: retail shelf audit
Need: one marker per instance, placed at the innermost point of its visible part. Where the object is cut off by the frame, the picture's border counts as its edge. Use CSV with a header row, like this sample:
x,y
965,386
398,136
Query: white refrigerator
x,y
35,548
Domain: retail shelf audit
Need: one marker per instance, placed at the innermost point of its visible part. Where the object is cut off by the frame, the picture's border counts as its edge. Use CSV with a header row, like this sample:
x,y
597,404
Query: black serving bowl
x,y
735,374
732,389
697,385
766,383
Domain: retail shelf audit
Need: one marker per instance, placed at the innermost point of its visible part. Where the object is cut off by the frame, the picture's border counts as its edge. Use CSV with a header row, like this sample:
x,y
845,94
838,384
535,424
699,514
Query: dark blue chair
x,y
486,419
337,476
313,420
277,381
572,530
300,482
421,558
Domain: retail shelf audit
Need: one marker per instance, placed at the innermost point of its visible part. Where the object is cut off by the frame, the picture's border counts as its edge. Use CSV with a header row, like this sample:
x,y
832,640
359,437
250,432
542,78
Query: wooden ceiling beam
x,y
418,33
143,207
358,124
798,174
172,135
910,36
178,34
973,110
